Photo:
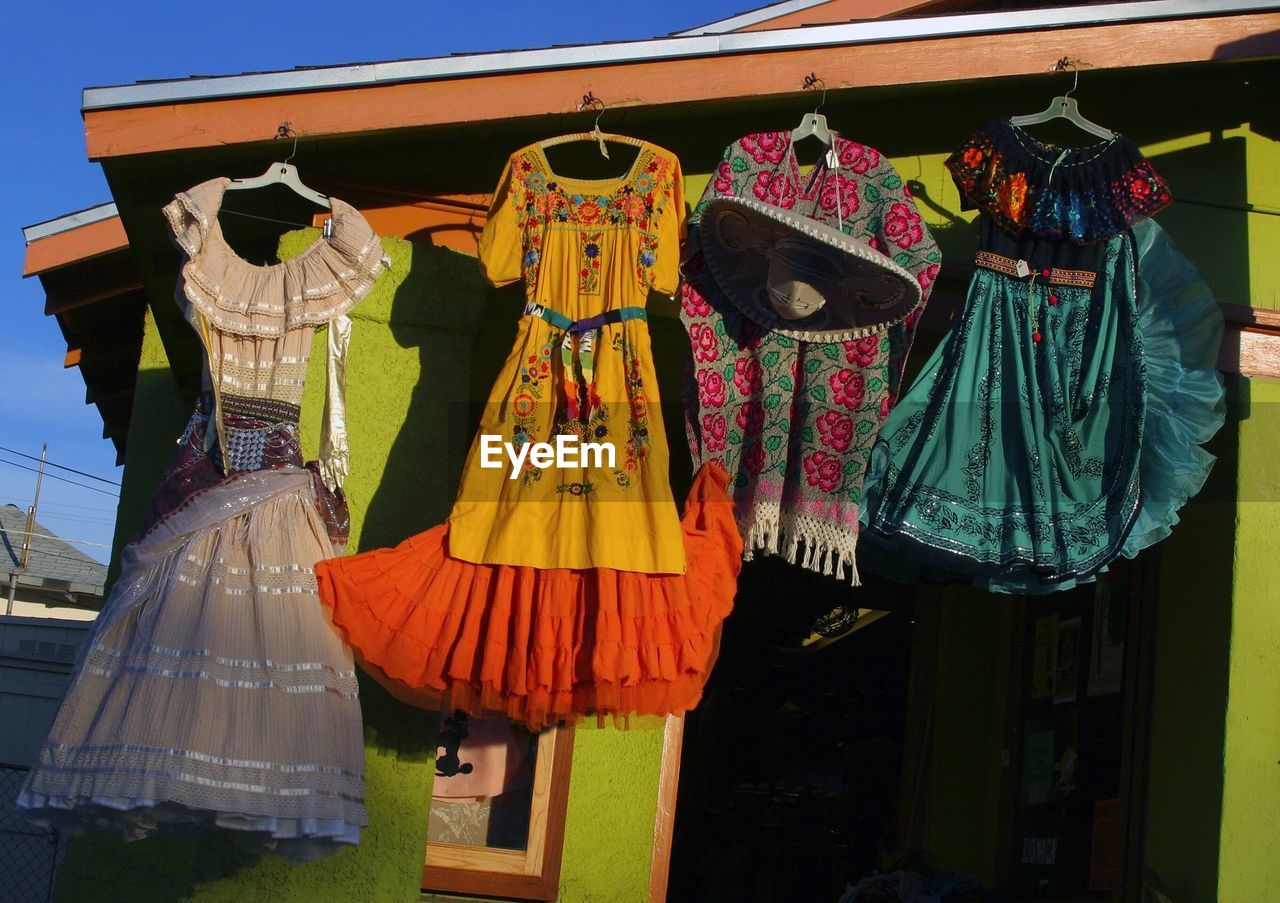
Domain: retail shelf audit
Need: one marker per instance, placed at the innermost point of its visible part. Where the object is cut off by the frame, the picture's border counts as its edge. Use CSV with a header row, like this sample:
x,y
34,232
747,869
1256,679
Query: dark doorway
x,y
791,765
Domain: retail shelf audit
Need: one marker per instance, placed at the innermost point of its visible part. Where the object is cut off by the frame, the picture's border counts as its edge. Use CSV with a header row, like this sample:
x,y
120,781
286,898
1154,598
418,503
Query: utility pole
x,y
26,539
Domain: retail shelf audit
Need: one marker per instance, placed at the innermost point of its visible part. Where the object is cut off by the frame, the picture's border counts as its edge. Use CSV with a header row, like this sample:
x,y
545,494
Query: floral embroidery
x,y
767,147
724,177
902,225
835,430
847,192
533,373
711,389
638,439
1081,194
589,275
776,189
863,351
714,432
858,157
753,458
706,346
750,418
747,376
1011,195
848,388
636,205
823,470
694,305
575,488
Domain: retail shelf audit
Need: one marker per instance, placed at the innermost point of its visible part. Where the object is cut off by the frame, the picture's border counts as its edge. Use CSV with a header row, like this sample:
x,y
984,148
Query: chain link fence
x,y
29,856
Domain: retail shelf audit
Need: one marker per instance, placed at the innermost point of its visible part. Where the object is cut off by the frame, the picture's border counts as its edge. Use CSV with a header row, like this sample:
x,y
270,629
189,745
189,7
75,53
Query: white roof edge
x,y
69,221
653,49
753,17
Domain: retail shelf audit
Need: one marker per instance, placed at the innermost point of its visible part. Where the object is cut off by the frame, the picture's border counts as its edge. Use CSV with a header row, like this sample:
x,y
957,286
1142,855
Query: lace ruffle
x,y
1082,195
234,296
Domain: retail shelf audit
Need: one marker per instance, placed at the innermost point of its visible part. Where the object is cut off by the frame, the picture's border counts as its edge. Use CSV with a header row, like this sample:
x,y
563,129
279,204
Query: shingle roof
x,y
52,560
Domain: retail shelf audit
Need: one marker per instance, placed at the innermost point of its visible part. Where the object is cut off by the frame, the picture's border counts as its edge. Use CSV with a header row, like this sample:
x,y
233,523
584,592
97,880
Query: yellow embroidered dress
x,y
588,251
556,591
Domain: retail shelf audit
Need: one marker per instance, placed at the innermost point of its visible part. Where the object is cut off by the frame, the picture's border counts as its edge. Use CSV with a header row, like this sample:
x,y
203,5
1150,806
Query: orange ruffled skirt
x,y
541,646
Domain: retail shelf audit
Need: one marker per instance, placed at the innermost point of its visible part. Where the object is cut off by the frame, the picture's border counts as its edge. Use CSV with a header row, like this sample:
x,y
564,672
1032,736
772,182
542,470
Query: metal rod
x,y
31,512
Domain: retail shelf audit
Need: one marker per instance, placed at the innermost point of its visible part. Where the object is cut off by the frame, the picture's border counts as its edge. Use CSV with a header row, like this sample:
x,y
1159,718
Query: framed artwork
x,y
496,824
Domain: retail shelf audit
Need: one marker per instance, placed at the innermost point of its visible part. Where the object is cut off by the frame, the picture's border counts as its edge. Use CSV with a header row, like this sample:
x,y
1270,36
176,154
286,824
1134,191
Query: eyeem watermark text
x,y
566,452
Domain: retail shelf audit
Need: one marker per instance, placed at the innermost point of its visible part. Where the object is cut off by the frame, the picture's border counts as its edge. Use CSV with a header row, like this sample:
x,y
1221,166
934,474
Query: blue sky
x,y
53,50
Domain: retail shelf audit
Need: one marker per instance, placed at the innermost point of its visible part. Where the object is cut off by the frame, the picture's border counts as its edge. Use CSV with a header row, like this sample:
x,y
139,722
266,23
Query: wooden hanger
x,y
590,100
1064,106
283,173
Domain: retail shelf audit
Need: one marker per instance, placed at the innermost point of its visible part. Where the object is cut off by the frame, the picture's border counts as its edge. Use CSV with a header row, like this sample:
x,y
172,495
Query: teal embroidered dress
x,y
1043,437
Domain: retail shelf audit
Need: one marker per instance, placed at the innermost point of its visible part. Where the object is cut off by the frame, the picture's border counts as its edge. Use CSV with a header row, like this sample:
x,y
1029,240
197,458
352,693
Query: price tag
x,y
833,159
1023,269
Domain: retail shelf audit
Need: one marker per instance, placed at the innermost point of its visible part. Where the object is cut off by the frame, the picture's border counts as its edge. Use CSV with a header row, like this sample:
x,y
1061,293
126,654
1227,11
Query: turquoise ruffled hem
x,y
1181,327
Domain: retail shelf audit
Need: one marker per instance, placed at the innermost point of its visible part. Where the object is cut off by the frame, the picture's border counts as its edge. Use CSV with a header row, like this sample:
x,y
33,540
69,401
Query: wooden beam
x,y
77,355
1250,353
59,302
1255,319
74,245
724,77
665,817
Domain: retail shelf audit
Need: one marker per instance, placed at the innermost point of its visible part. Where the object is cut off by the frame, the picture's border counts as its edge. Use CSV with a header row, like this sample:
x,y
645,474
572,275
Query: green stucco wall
x,y
1249,867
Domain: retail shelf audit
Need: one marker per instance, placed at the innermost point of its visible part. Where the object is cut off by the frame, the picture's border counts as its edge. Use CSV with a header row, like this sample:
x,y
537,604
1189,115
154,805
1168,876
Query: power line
x,y
54,476
60,466
89,511
79,542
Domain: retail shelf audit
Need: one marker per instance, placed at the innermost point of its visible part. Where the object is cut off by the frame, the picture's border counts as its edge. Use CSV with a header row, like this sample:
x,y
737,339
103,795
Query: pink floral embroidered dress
x,y
793,421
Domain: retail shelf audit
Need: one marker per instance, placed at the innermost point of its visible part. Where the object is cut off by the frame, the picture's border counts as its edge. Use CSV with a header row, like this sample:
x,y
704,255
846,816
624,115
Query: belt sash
x,y
585,332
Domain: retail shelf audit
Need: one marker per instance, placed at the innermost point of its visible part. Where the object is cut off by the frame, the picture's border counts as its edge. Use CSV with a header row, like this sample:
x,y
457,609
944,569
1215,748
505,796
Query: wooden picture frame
x,y
529,874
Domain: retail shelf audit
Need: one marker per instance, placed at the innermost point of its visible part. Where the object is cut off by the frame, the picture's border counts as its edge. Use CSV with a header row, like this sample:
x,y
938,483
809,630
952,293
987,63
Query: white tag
x,y
1022,268
327,229
833,159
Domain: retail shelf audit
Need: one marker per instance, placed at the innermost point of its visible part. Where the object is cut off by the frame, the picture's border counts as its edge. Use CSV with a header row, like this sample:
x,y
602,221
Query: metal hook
x,y
812,81
1062,65
284,131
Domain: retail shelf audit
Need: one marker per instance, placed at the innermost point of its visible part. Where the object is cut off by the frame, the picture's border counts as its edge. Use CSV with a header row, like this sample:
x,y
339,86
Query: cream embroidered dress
x,y
212,690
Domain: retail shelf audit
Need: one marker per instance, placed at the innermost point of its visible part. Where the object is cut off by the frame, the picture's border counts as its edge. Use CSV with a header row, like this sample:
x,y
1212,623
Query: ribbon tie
x,y
585,331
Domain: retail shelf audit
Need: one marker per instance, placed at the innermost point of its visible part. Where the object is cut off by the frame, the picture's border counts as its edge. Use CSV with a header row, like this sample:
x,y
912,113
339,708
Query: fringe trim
x,y
813,544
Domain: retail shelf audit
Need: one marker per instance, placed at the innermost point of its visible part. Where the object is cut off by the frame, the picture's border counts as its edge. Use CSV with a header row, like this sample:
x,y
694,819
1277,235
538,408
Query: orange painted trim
x,y
74,245
483,99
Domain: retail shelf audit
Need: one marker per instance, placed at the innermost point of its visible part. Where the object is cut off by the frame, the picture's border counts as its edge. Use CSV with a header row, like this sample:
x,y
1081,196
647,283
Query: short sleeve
x,y
672,228
499,250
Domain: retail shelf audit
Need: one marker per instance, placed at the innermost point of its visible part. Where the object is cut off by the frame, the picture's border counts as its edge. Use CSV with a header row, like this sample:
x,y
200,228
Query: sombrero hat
x,y
801,278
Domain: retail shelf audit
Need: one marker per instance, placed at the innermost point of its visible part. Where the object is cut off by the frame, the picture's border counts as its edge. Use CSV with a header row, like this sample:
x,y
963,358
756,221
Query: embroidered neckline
x,y
626,178
1079,194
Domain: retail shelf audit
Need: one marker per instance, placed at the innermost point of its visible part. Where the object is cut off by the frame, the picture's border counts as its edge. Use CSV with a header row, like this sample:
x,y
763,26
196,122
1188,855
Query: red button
x,y
1045,272
1036,336
1053,300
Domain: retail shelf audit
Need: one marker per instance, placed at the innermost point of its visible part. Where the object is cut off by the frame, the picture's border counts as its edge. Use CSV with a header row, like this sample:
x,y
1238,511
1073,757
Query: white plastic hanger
x,y
1065,107
283,173
590,100
813,124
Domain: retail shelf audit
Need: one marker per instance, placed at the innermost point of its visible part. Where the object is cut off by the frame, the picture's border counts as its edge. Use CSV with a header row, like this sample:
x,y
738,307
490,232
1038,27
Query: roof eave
x,y
655,49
